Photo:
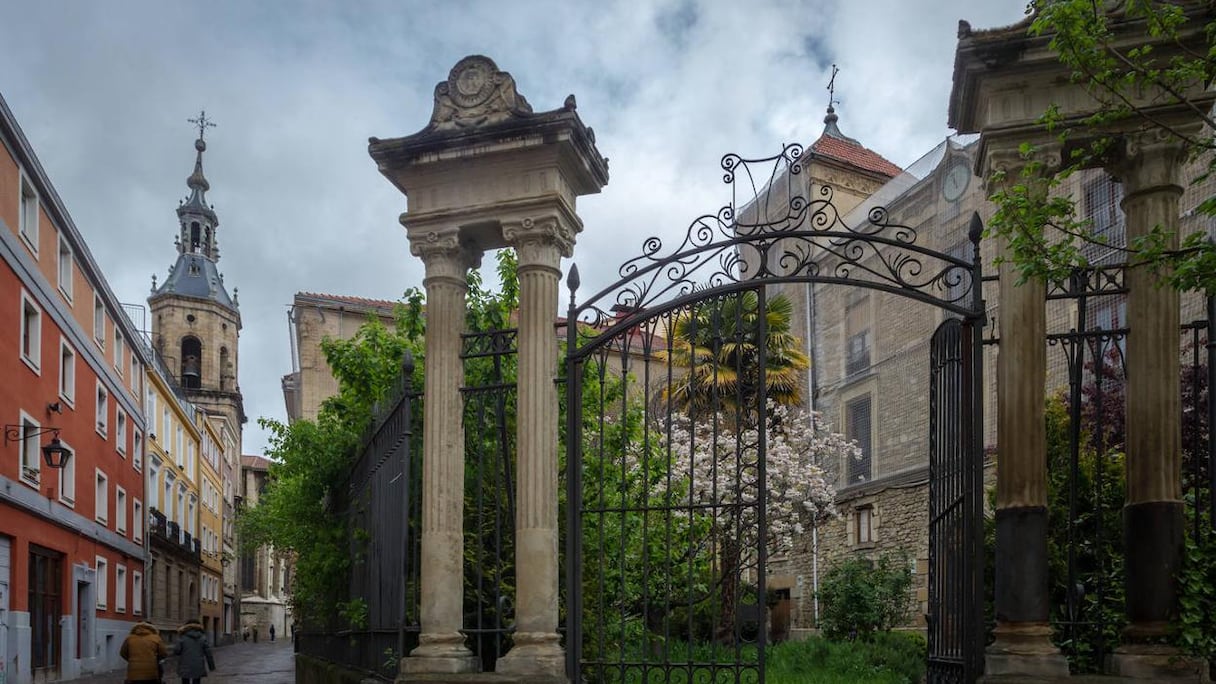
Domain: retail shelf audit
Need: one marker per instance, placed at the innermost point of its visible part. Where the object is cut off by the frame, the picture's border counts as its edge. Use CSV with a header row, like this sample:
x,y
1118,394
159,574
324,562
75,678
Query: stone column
x,y
540,244
1022,645
441,647
1153,516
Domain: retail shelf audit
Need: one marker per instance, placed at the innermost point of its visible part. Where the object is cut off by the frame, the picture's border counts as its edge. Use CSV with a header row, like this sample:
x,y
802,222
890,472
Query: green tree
x,y
1166,67
715,345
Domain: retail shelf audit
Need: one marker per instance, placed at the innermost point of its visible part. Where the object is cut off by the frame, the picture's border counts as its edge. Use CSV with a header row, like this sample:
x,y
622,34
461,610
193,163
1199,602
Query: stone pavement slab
x,y
265,662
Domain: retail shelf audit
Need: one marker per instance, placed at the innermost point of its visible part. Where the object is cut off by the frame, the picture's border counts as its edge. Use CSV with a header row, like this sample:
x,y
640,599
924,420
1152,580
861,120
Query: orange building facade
x,y
72,539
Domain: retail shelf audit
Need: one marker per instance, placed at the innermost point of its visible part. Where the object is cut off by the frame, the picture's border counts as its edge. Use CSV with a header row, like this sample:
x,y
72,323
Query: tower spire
x,y
198,221
829,121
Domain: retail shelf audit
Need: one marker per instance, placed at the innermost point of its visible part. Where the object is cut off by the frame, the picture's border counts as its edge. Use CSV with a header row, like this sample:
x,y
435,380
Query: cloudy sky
x,y
103,91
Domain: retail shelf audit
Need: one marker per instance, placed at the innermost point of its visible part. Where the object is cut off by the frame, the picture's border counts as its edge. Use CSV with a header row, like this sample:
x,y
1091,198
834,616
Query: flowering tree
x,y
718,471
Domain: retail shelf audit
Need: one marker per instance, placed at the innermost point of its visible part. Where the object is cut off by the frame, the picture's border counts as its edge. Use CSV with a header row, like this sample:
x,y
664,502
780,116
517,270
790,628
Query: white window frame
x,y
32,356
120,431
66,260
137,451
153,486
31,456
103,409
120,351
137,593
178,448
29,209
137,520
120,588
67,373
99,321
101,502
120,510
67,479
102,572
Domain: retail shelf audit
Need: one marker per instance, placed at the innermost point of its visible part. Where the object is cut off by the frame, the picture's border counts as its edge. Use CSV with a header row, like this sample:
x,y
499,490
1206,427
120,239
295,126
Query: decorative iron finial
x,y
572,281
976,229
202,122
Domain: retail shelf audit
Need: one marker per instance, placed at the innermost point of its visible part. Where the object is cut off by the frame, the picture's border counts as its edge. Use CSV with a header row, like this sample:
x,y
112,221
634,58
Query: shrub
x,y
859,597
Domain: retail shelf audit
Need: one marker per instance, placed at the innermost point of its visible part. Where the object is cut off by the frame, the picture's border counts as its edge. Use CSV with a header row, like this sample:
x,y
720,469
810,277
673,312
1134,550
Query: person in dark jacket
x,y
143,650
193,653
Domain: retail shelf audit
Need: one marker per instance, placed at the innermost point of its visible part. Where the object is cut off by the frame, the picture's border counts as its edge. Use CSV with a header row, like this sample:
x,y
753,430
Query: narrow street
x,y
241,663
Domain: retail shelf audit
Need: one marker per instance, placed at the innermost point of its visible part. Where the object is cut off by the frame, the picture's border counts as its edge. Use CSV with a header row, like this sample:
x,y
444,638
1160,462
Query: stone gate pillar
x,y
1022,644
1149,167
540,243
487,173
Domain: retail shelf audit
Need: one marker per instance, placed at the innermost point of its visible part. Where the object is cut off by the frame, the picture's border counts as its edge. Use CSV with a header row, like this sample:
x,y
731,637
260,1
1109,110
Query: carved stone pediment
x,y
476,94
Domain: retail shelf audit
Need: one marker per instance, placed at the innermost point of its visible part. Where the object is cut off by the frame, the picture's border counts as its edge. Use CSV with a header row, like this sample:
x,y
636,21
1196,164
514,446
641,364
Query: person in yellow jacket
x,y
143,651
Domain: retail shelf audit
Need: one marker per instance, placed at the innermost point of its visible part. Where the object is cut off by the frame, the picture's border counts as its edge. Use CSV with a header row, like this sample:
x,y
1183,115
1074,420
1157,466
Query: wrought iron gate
x,y
680,379
956,471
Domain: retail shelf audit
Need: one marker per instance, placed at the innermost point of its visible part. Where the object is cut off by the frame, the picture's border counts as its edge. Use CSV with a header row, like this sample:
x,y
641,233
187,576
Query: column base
x,y
1025,650
439,654
1157,663
538,655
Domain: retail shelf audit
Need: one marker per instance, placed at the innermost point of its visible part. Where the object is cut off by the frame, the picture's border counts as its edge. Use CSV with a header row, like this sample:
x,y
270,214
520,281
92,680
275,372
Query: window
x,y
857,331
120,352
120,509
101,583
103,409
67,481
165,431
169,510
857,429
31,332
65,270
31,464
178,448
99,321
864,516
1103,197
120,588
67,373
137,520
27,220
190,460
137,451
137,593
120,433
153,492
190,514
102,500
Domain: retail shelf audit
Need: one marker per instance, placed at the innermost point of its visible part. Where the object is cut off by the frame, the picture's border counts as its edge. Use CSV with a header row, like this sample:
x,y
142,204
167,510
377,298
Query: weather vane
x,y
832,87
204,123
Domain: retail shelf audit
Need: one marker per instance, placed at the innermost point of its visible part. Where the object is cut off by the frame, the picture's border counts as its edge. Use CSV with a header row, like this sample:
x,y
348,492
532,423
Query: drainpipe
x,y
815,568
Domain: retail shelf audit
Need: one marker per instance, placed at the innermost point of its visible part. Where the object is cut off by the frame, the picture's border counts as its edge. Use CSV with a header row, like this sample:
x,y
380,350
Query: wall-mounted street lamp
x,y
54,452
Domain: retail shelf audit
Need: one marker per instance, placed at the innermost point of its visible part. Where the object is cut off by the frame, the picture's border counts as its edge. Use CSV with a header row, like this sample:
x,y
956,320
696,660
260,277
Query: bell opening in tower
x,y
196,236
192,354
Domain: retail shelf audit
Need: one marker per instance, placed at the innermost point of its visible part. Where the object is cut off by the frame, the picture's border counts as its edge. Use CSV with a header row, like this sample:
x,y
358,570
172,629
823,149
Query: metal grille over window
x,y
1108,234
858,331
857,427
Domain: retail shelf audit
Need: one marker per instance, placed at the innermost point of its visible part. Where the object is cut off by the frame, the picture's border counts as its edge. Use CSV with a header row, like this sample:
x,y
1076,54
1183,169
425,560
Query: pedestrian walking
x,y
143,651
193,653
272,632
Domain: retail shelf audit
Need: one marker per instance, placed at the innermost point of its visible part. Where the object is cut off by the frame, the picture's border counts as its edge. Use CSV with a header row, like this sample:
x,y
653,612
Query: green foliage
x,y
1044,231
1195,630
859,597
1088,619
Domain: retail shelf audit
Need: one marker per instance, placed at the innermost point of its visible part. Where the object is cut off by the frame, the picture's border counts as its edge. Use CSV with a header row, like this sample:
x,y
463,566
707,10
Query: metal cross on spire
x,y
832,87
202,122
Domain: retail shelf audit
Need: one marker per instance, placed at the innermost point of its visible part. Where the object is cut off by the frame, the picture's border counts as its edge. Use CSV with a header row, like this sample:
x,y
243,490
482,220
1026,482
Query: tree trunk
x,y
729,583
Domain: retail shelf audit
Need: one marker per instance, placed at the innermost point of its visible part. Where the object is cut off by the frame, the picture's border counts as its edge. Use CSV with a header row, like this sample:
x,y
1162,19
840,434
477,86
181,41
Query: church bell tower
x,y
195,323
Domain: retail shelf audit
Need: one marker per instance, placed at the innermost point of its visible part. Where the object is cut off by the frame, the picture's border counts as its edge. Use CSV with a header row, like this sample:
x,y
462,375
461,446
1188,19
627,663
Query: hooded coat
x,y
193,651
143,649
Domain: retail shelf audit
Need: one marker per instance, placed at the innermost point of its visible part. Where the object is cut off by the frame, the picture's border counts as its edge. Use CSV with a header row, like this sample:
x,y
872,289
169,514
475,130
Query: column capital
x,y
1151,159
444,255
1007,161
539,240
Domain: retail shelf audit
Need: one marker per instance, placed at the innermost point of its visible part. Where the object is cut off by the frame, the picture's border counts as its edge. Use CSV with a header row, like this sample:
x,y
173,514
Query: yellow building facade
x,y
211,526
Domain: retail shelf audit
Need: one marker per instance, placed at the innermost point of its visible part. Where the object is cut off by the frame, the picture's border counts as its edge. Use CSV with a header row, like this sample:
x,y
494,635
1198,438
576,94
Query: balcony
x,y
157,524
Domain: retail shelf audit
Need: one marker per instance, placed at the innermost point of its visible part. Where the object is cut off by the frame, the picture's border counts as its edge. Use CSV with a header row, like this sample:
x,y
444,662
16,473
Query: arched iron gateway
x,y
682,463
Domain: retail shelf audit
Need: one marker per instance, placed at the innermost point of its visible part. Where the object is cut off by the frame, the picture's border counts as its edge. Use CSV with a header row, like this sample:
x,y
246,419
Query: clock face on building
x,y
955,182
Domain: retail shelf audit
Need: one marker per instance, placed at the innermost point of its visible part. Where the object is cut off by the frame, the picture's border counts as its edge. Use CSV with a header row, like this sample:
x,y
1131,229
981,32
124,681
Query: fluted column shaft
x,y
1153,516
1022,644
540,244
441,645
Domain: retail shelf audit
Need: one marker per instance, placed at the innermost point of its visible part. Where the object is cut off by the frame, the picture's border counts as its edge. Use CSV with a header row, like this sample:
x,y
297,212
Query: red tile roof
x,y
850,152
255,462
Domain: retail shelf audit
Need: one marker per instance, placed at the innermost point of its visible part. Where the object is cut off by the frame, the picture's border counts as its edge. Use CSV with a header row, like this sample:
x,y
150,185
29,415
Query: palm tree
x,y
716,348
